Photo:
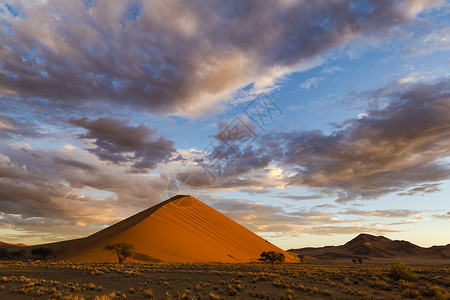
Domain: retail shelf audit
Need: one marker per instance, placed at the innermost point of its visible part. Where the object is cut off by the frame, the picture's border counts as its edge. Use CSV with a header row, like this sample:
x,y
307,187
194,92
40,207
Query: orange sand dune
x,y
181,229
8,245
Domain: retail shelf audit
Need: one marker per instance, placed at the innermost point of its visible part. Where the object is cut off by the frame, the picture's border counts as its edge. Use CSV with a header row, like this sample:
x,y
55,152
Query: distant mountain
x,y
8,245
366,245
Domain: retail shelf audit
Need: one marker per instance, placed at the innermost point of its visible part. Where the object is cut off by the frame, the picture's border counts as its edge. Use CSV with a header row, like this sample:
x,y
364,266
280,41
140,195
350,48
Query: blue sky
x,y
107,108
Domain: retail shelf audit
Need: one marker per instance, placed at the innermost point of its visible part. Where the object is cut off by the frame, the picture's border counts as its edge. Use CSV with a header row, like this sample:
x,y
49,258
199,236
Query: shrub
x,y
272,257
410,293
147,293
399,271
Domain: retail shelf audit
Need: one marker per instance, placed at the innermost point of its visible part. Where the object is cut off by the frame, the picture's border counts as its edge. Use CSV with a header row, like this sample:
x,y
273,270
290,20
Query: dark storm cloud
x,y
118,142
181,57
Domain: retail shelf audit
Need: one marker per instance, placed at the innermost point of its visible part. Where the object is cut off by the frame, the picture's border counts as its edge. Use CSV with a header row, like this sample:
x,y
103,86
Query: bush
x,y
272,257
399,271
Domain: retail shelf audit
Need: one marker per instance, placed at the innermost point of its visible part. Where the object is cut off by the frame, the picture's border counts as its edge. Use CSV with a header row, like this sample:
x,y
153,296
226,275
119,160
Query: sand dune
x,y
8,245
181,229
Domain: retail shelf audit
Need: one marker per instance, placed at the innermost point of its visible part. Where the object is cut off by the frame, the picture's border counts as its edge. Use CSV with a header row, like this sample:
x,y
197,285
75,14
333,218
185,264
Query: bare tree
x,y
123,250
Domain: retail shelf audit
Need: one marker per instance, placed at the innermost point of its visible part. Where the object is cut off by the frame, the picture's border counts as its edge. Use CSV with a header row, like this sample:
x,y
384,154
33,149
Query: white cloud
x,y
311,82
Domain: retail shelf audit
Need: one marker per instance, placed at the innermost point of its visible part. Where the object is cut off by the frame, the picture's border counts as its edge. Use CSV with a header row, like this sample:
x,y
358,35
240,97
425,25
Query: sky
x,y
308,122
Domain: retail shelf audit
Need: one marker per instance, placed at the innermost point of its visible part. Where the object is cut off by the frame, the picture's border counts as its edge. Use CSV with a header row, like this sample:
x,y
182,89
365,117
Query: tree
x,y
301,257
123,250
42,252
360,260
4,254
17,254
354,260
272,257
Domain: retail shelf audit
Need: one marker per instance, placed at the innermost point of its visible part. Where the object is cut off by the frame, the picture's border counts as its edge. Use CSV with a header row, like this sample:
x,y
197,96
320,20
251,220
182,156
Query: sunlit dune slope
x,y
181,229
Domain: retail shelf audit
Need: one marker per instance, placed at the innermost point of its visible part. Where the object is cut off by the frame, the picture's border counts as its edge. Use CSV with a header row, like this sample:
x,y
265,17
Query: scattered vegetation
x,y
123,250
52,279
272,257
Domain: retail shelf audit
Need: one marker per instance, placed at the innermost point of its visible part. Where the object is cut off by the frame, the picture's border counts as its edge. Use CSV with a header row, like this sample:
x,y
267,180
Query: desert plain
x,y
309,280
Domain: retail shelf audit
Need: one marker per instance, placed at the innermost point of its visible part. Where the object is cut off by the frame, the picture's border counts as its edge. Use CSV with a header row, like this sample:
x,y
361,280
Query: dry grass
x,y
69,280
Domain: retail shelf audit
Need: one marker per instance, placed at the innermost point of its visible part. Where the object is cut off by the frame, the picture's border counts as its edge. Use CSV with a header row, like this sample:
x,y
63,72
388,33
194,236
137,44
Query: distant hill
x,y
8,245
366,245
181,229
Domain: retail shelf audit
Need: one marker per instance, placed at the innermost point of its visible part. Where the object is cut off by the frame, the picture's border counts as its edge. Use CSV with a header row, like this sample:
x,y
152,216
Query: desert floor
x,y
68,280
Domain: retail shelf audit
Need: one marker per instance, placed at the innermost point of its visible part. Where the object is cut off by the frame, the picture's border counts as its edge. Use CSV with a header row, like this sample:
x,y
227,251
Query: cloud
x,y
16,127
403,145
177,57
118,142
422,189
390,213
301,197
332,70
311,82
443,216
270,219
392,148
334,230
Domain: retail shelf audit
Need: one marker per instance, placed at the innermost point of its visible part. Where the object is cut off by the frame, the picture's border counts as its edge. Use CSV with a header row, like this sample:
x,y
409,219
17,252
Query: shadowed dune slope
x,y
181,229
